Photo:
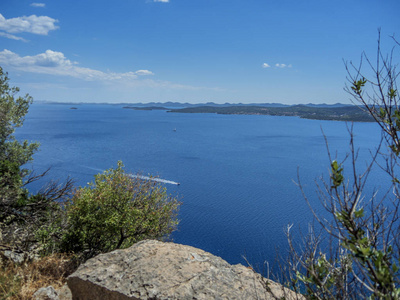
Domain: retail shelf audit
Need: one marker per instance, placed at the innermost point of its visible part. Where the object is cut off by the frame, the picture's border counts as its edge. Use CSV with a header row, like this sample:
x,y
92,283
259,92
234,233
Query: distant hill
x,y
146,108
185,105
212,104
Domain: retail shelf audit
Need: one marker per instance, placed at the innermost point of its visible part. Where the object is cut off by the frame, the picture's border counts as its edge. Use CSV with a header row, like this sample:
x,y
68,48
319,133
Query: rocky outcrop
x,y
156,270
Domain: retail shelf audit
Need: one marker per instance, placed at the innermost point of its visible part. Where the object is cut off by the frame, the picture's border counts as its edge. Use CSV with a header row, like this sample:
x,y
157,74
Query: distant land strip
x,y
337,113
344,113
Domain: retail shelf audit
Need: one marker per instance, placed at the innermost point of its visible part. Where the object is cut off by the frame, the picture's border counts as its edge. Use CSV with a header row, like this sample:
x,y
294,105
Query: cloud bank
x,y
55,63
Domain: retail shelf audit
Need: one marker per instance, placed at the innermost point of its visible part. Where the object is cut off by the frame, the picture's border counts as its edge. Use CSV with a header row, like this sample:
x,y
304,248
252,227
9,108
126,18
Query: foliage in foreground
x,y
13,154
117,210
21,281
22,215
362,259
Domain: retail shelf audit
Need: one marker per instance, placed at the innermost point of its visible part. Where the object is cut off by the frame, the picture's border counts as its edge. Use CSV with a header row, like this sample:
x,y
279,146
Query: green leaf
x,y
392,93
359,213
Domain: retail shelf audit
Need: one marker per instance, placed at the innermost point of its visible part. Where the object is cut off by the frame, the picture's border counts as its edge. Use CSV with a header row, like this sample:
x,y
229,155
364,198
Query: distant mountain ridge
x,y
212,104
171,104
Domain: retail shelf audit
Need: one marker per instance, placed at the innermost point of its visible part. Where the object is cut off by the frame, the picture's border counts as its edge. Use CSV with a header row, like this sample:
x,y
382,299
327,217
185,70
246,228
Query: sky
x,y
196,51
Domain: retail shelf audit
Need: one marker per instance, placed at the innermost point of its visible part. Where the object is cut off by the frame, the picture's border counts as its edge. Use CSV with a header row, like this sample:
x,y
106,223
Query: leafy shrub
x,y
13,154
22,215
115,211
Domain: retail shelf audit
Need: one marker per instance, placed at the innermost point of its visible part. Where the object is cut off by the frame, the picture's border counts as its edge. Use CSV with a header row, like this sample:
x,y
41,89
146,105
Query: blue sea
x,y
237,173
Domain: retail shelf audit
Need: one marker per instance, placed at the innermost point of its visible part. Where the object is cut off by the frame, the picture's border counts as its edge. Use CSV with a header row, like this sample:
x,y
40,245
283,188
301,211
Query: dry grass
x,y
22,281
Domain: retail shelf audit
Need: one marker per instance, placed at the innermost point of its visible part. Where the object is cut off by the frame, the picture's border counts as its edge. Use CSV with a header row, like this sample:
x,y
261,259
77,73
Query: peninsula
x,y
349,113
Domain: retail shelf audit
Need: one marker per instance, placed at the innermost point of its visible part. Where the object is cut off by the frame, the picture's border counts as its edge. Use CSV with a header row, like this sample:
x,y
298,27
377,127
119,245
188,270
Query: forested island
x,y
339,113
349,113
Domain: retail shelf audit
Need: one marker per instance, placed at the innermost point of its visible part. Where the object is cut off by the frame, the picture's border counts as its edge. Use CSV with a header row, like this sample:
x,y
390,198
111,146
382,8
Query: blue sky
x,y
287,51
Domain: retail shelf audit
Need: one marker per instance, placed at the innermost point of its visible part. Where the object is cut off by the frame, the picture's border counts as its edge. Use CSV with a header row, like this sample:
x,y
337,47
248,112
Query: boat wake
x,y
156,179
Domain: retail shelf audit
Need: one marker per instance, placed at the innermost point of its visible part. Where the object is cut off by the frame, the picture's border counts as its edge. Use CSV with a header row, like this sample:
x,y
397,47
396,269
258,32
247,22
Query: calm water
x,y
236,172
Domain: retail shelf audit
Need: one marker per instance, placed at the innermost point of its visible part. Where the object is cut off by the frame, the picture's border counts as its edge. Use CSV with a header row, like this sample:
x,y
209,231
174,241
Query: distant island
x,y
337,113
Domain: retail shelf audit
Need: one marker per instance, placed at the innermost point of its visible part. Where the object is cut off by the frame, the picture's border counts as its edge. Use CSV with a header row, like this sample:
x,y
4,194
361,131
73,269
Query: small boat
x,y
174,129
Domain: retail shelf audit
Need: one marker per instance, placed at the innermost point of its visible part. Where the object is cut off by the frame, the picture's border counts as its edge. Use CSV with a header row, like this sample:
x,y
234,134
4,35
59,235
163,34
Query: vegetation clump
x,y
22,215
19,281
115,211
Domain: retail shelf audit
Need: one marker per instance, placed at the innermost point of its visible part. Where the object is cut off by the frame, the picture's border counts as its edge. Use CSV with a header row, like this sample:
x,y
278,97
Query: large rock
x,y
156,270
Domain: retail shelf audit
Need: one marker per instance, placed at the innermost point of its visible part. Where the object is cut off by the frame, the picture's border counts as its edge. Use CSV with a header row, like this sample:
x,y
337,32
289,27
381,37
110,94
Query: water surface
x,y
236,172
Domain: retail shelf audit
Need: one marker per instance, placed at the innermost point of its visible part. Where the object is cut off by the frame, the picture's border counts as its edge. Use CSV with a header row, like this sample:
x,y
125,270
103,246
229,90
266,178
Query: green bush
x,y
115,211
13,154
27,222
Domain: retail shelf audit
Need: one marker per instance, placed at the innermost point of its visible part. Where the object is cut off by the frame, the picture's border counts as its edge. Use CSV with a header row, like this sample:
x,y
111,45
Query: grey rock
x,y
8,253
156,270
46,293
49,293
16,257
64,293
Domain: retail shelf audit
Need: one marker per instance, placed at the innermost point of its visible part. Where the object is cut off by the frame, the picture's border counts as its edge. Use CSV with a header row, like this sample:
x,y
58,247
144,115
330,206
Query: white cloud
x,y
283,66
38,4
143,72
32,24
12,37
55,63
164,1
